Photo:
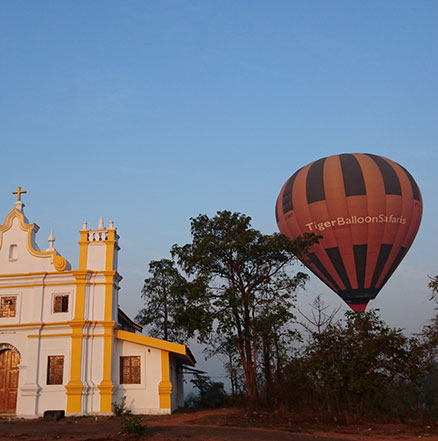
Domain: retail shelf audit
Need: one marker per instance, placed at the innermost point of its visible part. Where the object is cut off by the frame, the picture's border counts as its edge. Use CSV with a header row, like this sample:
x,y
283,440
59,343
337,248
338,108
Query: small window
x,y
8,306
13,252
60,303
130,370
55,369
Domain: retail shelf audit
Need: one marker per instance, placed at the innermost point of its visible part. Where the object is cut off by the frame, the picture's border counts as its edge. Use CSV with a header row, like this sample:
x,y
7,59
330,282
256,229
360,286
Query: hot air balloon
x,y
368,210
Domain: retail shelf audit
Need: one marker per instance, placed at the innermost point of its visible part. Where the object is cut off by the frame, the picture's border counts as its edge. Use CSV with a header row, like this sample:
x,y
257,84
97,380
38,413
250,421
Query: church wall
x,y
96,256
92,369
53,397
48,300
140,398
95,299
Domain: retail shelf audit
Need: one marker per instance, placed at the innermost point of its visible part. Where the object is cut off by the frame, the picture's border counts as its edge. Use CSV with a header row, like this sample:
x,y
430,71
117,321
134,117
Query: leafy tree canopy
x,y
162,295
245,290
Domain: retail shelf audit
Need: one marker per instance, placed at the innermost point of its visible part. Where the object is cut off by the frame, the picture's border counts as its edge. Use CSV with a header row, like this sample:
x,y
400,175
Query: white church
x,y
65,345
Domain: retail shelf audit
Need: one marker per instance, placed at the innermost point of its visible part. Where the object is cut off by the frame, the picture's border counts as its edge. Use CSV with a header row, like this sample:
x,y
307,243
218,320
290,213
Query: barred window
x,y
60,303
130,371
55,369
8,306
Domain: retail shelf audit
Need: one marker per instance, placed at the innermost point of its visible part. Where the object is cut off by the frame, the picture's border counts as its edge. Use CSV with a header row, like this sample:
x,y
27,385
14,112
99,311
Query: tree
x,y
162,295
211,393
321,316
352,365
224,347
433,285
244,274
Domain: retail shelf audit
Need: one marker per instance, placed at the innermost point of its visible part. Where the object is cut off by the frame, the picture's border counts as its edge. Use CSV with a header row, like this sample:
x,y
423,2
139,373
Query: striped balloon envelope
x,y
368,210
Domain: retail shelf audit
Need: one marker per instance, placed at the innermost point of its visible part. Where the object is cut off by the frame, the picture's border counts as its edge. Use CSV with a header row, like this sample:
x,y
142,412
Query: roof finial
x,y
101,226
18,204
19,192
51,240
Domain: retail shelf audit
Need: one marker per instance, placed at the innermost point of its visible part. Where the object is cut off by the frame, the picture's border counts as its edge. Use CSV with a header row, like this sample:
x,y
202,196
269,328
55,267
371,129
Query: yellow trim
x,y
110,246
106,386
150,341
63,335
34,285
108,311
26,325
81,282
83,249
58,261
74,387
165,386
44,324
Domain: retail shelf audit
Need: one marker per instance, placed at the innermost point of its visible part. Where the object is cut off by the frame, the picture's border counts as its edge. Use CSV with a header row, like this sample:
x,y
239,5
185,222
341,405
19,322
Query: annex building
x,y
64,342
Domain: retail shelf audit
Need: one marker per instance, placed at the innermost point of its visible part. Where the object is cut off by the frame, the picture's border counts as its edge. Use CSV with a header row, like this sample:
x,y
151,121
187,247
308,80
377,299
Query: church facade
x,y
64,342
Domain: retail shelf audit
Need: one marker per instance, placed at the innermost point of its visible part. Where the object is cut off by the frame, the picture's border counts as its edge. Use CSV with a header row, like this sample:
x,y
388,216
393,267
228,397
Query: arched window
x,y
13,252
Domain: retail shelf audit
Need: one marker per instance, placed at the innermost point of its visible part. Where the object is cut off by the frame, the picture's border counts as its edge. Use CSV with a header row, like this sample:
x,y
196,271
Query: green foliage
x,y
211,394
129,423
433,285
241,287
132,424
352,364
162,296
362,368
119,408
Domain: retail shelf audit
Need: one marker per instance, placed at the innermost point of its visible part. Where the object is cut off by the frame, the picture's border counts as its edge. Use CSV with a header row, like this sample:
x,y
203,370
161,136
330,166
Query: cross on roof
x,y
19,192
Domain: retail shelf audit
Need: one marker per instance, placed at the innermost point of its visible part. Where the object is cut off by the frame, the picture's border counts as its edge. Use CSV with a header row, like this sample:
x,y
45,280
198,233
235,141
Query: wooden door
x,y
8,381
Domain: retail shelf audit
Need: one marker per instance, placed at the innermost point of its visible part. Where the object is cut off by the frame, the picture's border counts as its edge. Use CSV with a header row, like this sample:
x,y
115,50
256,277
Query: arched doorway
x,y
8,380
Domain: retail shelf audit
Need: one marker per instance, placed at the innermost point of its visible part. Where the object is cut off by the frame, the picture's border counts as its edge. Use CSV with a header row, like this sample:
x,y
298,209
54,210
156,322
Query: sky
x,y
151,112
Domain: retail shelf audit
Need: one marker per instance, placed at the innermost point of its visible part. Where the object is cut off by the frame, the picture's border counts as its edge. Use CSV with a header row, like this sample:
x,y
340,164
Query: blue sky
x,y
150,112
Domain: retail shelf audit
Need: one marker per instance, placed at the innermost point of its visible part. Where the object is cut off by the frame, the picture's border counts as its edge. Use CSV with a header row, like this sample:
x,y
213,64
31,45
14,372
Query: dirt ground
x,y
210,425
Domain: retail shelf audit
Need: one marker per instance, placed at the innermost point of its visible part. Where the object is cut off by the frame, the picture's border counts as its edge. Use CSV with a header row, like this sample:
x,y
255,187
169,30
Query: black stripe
x,y
276,211
314,259
395,264
336,259
357,296
360,260
287,194
390,178
315,182
385,249
415,189
353,178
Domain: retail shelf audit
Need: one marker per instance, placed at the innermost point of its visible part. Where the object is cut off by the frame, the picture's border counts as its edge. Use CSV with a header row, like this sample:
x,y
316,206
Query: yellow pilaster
x,y
83,248
165,386
106,386
74,386
110,244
